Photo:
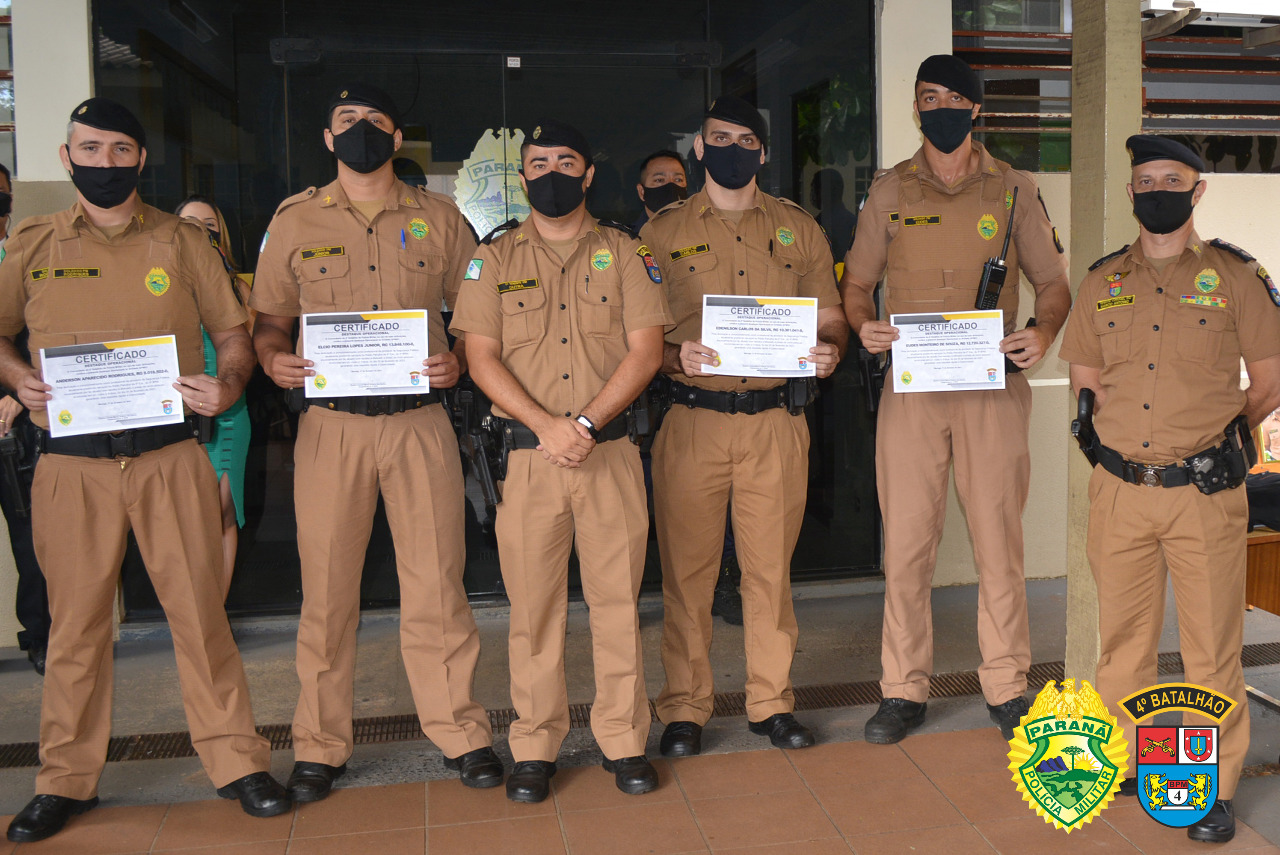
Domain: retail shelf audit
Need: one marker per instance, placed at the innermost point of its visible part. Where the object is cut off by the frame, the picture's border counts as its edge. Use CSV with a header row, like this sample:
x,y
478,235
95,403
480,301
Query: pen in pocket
x,y
402,238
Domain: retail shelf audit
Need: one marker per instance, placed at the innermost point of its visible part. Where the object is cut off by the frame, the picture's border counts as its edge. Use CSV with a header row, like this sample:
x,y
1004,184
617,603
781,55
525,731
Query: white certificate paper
x,y
760,336
948,352
370,353
112,385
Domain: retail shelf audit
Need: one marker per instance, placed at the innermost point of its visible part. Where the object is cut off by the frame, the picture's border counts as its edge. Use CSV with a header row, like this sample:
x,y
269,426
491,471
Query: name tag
x,y
1126,300
517,285
77,272
690,250
924,220
39,274
322,252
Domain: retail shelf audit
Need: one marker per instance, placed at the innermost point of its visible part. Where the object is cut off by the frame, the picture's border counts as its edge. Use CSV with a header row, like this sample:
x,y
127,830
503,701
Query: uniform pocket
x,y
524,320
327,282
1113,327
421,280
690,278
1200,333
600,310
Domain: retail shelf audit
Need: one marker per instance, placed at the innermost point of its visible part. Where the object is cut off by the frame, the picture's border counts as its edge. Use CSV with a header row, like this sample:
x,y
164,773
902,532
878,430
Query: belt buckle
x,y
743,403
123,444
1151,476
377,405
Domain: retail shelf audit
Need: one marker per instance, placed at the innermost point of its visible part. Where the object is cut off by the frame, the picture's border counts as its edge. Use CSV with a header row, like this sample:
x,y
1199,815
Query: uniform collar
x,y
986,166
74,220
332,195
702,202
527,231
1194,245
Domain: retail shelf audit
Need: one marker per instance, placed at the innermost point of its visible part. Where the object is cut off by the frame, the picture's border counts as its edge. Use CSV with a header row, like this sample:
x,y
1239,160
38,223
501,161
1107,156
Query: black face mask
x,y
946,127
6,204
104,186
364,147
657,198
1163,211
731,166
556,194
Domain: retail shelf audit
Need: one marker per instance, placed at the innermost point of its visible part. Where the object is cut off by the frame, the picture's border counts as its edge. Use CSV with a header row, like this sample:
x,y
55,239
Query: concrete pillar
x,y
1106,108
52,72
907,31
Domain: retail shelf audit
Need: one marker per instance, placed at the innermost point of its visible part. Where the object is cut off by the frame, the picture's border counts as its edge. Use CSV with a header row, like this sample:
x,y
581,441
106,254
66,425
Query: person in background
x,y
32,601
228,448
663,180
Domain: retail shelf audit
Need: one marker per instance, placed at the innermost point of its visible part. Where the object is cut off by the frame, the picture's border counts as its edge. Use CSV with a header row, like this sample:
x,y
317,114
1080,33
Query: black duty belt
x,y
755,401
129,443
518,437
375,405
1132,472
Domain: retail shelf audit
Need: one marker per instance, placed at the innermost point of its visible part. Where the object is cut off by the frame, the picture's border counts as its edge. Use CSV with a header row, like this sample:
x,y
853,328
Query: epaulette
x,y
797,206
296,198
509,224
625,229
29,223
1106,258
674,206
1232,248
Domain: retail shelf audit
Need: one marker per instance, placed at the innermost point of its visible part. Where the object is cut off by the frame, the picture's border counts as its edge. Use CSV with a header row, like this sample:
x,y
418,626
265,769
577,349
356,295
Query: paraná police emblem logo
x,y
64,418
1177,773
488,188
1207,280
319,381
418,228
157,281
1068,756
786,237
602,259
987,226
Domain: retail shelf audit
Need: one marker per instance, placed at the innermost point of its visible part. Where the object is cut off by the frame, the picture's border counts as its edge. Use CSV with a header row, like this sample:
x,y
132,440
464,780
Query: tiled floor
x,y
941,792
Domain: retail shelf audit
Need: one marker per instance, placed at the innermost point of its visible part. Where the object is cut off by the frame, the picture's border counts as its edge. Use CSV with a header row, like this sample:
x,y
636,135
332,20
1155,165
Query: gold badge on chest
x,y
157,281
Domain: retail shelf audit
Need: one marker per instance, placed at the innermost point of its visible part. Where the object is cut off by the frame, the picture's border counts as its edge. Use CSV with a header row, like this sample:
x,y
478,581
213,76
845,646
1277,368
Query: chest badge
x,y
786,237
1008,200
1114,287
1207,281
157,281
602,259
418,228
987,226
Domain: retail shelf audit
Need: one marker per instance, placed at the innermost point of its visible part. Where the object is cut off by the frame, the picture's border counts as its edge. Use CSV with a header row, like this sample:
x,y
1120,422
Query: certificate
x,y
760,336
370,353
112,385
948,352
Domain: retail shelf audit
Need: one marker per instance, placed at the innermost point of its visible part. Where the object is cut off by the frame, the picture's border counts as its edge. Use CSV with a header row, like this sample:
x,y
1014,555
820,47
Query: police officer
x,y
928,225
662,181
364,242
111,268
733,435
564,330
1158,333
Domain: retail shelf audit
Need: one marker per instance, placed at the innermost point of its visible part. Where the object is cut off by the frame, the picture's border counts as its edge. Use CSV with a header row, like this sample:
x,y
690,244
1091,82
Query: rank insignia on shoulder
x,y
1239,253
509,224
650,266
473,268
1108,257
1271,286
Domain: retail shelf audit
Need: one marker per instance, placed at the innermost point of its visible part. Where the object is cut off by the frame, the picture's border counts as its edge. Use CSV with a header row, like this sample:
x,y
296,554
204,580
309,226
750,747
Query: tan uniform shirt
x,y
563,324
320,255
70,284
1169,346
931,241
776,249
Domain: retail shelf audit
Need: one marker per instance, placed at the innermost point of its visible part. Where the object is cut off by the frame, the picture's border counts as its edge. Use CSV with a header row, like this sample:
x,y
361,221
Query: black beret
x,y
731,108
550,133
953,73
364,95
106,115
1144,149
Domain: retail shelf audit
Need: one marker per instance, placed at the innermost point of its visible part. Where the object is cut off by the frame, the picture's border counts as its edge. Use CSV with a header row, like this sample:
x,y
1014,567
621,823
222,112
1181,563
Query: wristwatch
x,y
589,425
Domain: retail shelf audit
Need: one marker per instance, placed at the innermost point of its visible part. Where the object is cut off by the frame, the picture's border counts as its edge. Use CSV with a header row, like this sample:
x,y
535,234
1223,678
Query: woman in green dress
x,y
229,446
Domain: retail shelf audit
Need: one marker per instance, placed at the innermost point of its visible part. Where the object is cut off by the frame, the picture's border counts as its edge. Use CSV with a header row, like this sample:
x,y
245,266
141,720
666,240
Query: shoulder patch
x,y
509,224
1106,258
650,266
1271,286
1231,248
625,229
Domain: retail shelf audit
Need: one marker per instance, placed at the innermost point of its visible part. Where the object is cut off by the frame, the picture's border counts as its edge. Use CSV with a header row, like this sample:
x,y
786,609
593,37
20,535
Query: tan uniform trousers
x,y
601,510
82,510
917,437
342,461
701,459
1137,536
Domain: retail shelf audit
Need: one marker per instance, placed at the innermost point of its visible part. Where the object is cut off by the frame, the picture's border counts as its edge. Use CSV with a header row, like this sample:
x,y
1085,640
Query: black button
x,y
520,304
1146,445
1151,366
742,273
564,376
788,266
375,307
562,305
372,267
692,268
604,299
1156,327
1111,323
1202,322
1146,406
744,380
1159,290
420,264
370,231
568,415
564,341
322,270
739,238
562,270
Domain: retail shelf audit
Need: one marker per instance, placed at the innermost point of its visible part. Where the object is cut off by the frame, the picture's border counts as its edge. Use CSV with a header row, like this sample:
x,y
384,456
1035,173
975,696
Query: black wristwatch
x,y
589,425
